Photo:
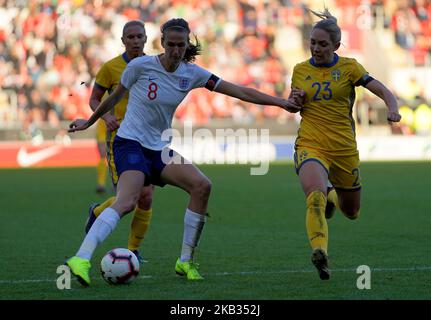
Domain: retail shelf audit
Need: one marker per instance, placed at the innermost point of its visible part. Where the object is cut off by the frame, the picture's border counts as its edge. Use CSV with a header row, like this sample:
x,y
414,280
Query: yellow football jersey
x,y
327,123
109,77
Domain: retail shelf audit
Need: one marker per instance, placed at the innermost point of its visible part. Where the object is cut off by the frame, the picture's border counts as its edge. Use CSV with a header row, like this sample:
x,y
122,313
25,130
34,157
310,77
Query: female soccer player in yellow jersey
x,y
107,79
325,148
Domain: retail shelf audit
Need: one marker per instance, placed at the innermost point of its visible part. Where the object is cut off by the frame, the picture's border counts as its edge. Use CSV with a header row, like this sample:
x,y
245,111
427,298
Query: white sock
x,y
101,228
193,226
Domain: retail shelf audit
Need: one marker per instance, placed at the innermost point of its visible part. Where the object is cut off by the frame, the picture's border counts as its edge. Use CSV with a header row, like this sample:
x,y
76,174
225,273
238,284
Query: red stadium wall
x,y
48,154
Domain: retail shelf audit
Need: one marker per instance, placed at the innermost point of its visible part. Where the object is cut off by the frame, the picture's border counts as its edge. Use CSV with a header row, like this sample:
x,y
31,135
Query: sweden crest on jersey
x,y
336,75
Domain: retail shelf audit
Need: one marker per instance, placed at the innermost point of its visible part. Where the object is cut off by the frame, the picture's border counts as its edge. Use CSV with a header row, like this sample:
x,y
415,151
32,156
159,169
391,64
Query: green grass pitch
x,y
253,247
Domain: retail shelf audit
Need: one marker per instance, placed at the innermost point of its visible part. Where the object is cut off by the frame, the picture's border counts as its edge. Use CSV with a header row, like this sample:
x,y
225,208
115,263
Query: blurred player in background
x,y
107,79
326,147
157,86
102,166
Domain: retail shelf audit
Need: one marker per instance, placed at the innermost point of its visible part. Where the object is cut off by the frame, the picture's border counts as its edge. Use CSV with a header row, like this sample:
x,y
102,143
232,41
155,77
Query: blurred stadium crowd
x,y
50,51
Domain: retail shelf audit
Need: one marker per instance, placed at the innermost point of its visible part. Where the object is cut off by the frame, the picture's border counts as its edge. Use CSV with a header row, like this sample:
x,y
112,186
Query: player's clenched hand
x,y
291,105
78,125
111,122
298,95
394,116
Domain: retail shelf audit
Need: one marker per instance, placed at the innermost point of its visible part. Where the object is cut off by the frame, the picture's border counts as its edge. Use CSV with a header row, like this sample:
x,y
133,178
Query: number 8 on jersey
x,y
152,94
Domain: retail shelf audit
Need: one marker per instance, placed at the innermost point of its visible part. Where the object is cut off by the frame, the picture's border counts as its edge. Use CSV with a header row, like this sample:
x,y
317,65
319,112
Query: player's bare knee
x,y
202,189
128,205
146,199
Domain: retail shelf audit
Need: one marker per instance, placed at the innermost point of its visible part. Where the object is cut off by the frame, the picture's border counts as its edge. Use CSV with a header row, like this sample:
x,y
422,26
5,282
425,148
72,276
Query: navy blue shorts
x,y
131,155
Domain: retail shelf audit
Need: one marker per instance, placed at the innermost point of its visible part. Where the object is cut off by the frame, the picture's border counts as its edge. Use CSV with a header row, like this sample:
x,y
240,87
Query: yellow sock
x,y
102,172
140,223
333,198
317,228
98,210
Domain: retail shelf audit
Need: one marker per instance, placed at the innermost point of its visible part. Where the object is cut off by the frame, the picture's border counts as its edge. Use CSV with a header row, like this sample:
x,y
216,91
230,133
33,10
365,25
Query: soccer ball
x,y
119,266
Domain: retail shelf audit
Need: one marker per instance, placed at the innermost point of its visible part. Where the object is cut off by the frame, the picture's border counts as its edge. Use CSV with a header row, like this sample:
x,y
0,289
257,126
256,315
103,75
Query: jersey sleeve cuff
x,y
124,85
100,86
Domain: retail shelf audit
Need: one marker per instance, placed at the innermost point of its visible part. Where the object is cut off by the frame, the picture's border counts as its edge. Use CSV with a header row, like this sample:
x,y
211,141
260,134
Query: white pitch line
x,y
242,273
411,269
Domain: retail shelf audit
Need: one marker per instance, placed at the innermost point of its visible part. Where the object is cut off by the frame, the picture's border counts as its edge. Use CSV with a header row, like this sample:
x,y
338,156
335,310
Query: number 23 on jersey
x,y
323,91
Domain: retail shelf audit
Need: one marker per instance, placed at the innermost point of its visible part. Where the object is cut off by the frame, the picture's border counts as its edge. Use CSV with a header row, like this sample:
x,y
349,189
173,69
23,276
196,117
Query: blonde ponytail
x,y
324,15
328,24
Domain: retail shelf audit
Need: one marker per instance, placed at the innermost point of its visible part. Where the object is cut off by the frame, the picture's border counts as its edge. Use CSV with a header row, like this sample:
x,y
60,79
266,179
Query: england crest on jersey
x,y
184,83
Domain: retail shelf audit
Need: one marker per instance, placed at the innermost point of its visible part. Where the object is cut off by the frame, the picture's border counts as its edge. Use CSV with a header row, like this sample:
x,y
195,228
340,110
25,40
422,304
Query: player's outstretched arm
x,y
105,106
380,90
95,99
255,96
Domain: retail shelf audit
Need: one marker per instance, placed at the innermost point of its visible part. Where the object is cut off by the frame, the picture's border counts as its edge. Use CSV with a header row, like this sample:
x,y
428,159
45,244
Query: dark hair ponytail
x,y
181,25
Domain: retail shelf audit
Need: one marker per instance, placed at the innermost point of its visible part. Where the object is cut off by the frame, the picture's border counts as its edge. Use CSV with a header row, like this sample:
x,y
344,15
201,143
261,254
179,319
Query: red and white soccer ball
x,y
119,266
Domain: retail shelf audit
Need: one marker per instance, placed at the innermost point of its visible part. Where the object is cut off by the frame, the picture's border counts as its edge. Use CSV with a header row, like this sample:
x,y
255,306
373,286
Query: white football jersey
x,y
154,95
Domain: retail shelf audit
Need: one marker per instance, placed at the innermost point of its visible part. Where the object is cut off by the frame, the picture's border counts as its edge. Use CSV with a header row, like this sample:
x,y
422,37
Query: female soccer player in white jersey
x,y
157,85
